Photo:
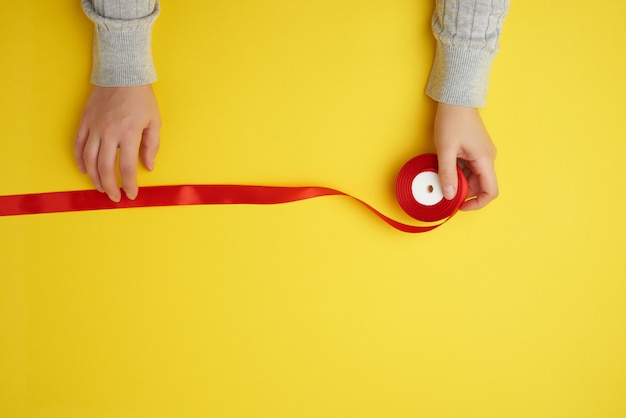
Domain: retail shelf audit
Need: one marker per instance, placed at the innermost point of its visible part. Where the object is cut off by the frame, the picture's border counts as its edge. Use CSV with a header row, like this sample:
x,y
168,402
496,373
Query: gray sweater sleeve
x,y
467,34
122,44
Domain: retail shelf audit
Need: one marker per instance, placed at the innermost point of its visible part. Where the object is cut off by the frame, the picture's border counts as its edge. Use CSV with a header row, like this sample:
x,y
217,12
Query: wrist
x,y
453,109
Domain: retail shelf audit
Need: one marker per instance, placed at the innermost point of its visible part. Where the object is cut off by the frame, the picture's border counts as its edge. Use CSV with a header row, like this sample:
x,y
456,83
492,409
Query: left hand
x,y
124,118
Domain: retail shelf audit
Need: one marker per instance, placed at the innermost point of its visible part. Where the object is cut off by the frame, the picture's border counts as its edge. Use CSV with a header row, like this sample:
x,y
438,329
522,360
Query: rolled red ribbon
x,y
211,194
439,208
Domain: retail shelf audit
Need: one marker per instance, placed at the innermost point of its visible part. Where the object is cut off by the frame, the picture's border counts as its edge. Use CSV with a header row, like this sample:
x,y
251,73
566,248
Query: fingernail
x,y
151,165
100,189
448,192
115,197
131,196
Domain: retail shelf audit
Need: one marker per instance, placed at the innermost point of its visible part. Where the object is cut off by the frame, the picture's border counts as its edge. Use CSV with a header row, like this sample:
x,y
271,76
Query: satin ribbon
x,y
211,194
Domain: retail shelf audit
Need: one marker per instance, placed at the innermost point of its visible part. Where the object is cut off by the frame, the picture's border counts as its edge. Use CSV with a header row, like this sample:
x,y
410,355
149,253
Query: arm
x,y
122,111
467,34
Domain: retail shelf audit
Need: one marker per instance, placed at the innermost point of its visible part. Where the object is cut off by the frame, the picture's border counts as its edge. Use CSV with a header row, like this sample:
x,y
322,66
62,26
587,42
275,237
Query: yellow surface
x,y
317,308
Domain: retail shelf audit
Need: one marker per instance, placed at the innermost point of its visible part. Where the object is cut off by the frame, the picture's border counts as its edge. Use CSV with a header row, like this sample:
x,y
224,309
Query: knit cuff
x,y
460,75
122,49
123,57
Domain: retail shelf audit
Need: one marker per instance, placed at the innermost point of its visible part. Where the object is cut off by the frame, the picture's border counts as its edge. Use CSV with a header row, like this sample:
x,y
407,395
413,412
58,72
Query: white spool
x,y
426,188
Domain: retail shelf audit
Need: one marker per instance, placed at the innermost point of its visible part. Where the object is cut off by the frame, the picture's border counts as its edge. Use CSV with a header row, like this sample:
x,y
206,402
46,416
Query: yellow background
x,y
318,308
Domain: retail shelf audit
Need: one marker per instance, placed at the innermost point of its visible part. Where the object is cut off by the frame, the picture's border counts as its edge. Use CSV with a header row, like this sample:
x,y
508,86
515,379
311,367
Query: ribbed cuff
x,y
122,49
123,57
460,75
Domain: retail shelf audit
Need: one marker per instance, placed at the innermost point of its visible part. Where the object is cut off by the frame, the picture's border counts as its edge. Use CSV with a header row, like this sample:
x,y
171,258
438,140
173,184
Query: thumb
x,y
149,146
448,172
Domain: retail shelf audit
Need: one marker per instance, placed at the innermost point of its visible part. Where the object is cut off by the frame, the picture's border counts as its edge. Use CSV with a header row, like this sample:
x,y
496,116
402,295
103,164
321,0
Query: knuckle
x,y
116,132
127,169
448,176
89,158
152,147
128,133
107,125
104,168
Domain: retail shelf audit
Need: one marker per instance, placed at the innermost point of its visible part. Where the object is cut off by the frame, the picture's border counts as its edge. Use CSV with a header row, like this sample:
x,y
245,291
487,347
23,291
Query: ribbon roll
x,y
417,189
419,192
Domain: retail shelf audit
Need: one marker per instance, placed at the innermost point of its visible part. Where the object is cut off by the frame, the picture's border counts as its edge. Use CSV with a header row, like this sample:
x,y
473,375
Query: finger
x,y
488,188
150,143
106,169
447,172
473,185
79,147
466,172
478,202
128,168
90,159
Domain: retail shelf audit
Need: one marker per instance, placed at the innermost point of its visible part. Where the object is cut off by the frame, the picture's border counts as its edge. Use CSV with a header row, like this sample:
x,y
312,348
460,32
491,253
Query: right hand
x,y
461,135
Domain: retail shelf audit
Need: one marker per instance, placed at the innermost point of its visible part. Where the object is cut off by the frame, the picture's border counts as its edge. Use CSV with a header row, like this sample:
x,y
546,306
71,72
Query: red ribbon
x,y
211,194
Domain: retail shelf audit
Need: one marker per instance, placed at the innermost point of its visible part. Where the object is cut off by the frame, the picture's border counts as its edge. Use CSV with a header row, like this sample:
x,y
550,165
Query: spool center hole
x,y
430,188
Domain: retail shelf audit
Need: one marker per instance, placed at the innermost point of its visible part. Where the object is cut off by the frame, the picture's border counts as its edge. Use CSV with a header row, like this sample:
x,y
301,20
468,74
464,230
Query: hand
x,y
460,134
118,117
